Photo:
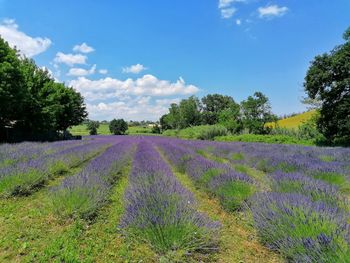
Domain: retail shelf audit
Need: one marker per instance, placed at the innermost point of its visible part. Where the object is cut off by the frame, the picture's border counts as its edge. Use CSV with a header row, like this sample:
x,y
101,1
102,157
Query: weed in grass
x,y
21,183
332,178
208,175
234,193
237,156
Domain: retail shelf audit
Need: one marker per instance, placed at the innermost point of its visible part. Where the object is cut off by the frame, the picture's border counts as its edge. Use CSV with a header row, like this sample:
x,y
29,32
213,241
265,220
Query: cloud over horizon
x,y
27,45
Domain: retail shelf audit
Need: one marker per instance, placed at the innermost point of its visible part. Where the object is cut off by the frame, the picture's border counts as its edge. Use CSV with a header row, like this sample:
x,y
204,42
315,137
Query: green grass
x,y
275,139
104,130
234,193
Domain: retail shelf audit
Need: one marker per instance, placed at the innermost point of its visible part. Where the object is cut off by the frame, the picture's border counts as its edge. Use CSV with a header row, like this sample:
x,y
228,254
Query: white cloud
x,y
147,85
103,71
135,69
83,48
272,11
78,72
238,22
138,109
28,46
225,3
228,12
70,59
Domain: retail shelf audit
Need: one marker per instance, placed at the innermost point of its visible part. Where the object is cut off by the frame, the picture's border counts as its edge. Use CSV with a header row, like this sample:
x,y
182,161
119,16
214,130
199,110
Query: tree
x,y
328,81
256,112
189,111
213,105
32,105
230,118
156,129
118,127
12,89
164,125
92,127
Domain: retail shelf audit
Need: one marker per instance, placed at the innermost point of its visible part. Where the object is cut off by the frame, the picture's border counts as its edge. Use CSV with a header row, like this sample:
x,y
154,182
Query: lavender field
x,y
157,199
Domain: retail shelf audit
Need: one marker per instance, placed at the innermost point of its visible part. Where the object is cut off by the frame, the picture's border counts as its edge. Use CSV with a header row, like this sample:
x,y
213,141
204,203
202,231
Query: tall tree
x,y
213,105
256,112
328,81
12,89
231,118
189,110
32,104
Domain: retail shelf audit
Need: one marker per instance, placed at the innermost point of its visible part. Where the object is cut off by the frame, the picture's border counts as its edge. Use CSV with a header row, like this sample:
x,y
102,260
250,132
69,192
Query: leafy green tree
x,y
189,110
92,127
256,112
12,88
32,104
156,129
328,81
173,118
213,105
164,122
118,127
230,118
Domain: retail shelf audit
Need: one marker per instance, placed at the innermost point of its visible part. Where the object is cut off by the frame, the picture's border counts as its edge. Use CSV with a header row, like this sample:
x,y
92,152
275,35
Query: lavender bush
x,y
160,210
232,188
82,194
24,177
302,230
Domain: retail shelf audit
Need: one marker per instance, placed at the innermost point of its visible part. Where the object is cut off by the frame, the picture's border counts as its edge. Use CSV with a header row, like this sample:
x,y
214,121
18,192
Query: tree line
x,y
251,114
33,106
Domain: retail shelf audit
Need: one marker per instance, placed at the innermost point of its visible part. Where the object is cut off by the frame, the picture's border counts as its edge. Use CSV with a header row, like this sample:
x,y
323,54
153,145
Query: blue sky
x,y
132,58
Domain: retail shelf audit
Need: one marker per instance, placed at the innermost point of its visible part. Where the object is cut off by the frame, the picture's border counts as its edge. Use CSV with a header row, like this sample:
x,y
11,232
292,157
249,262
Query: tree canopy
x,y
328,82
32,105
256,112
118,126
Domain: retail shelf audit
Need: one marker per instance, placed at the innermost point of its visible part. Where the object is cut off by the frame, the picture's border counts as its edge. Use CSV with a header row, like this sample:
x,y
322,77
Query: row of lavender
x,y
33,167
83,194
13,153
160,210
231,187
305,215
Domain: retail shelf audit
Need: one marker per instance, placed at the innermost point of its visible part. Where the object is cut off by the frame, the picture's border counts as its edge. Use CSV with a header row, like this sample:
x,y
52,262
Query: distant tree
x,y
213,105
328,82
118,127
156,129
164,122
256,112
92,127
230,118
172,119
189,111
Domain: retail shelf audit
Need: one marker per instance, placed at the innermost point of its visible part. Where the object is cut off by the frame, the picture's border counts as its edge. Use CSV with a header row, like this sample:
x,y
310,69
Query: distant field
x,y
295,121
104,130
